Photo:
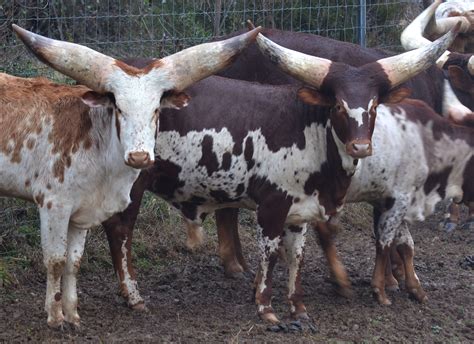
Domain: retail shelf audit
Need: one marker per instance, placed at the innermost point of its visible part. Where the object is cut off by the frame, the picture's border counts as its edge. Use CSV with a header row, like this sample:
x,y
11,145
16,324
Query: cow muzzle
x,y
139,160
359,148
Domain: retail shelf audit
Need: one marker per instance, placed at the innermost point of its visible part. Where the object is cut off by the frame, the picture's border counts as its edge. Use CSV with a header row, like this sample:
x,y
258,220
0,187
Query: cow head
x,y
456,97
353,93
136,94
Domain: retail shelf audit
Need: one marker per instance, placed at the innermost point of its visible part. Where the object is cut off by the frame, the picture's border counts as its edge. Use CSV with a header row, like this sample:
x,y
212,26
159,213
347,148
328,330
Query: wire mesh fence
x,y
130,28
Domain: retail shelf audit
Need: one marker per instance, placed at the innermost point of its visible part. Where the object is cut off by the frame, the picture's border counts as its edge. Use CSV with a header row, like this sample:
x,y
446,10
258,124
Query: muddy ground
x,y
190,301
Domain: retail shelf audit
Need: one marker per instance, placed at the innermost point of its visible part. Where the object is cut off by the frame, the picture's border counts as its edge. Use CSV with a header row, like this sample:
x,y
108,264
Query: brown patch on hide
x,y
438,181
133,71
49,205
27,104
30,144
39,199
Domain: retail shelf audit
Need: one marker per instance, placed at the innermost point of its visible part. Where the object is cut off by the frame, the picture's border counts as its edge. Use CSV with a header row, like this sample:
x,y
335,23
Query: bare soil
x,y
190,301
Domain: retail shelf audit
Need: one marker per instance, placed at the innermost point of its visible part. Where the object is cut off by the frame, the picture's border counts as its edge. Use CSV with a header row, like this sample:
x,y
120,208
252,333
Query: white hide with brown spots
x,y
405,153
279,168
95,184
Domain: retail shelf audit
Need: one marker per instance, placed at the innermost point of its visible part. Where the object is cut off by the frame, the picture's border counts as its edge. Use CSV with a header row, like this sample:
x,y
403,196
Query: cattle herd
x,y
292,126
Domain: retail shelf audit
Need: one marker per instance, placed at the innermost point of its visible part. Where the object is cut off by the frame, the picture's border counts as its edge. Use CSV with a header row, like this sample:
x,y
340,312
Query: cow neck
x,y
346,163
341,165
108,147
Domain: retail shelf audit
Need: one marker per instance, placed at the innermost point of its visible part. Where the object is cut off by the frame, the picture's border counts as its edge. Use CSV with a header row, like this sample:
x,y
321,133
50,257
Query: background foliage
x,y
156,28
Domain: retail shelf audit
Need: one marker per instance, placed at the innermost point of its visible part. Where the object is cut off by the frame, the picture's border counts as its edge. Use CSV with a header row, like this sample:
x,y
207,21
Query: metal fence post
x,y
362,22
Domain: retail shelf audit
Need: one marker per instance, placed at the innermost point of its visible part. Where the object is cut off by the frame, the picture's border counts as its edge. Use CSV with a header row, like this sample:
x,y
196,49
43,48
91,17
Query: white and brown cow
x,y
262,148
76,151
458,64
420,159
425,159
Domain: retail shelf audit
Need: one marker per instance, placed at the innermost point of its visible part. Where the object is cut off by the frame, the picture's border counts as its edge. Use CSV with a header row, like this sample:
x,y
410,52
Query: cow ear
x,y
460,79
396,95
174,100
95,99
313,97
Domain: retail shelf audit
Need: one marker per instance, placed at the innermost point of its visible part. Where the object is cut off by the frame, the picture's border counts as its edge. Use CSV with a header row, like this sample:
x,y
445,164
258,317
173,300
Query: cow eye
x,y
338,108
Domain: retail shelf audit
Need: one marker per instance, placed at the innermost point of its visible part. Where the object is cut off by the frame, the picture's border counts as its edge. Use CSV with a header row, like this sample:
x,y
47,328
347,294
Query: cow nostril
x,y
355,147
139,159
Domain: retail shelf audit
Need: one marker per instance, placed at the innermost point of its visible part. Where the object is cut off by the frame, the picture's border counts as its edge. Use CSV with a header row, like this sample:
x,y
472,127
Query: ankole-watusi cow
x,y
457,64
76,151
289,162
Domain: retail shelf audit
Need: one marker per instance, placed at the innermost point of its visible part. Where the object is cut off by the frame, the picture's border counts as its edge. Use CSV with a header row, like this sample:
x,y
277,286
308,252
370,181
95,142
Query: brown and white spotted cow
x,y
76,151
458,64
437,164
261,148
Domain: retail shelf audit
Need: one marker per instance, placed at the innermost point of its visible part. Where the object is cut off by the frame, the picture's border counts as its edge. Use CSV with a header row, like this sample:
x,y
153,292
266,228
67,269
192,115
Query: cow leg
x,y
406,249
293,242
229,243
387,221
326,235
378,278
451,218
76,238
119,230
391,282
469,223
54,237
397,266
271,219
195,235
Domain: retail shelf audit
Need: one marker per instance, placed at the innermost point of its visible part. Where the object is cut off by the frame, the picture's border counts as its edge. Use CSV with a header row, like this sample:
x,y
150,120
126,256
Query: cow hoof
x,y
468,225
392,284
57,324
381,298
234,270
392,288
234,275
281,327
74,321
139,307
303,325
448,226
301,316
345,292
270,317
418,294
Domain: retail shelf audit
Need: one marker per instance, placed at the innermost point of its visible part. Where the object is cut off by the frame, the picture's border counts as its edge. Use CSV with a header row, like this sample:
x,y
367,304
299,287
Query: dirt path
x,y
190,301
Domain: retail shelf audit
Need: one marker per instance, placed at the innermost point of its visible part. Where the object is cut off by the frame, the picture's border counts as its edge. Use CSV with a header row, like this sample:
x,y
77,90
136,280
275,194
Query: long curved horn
x,y
412,36
309,69
198,62
440,26
83,64
400,68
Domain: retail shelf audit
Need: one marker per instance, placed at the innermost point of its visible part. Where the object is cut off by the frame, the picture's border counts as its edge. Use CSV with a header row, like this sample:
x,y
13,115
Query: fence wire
x,y
155,28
